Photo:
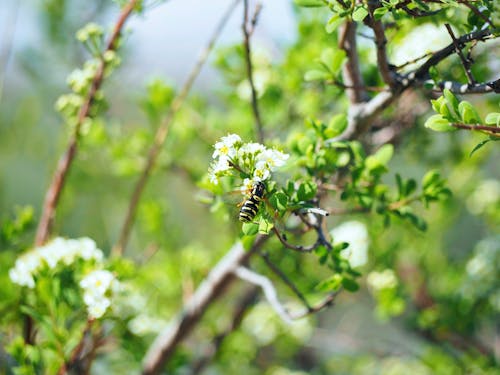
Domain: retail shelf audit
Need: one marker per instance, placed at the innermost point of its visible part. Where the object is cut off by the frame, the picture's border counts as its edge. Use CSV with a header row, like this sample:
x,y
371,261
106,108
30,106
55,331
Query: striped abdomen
x,y
251,206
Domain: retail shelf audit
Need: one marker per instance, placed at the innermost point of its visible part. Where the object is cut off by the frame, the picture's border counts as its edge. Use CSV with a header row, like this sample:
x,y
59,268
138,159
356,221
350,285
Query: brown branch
x,y
342,85
285,279
249,71
476,12
59,177
239,312
219,278
162,132
327,302
380,42
351,73
465,88
54,190
77,351
478,127
465,62
299,248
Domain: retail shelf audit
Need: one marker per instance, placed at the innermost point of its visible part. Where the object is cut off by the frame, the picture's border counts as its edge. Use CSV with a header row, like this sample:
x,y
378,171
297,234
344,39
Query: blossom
x,y
226,146
382,280
247,186
220,166
261,173
272,159
96,285
355,233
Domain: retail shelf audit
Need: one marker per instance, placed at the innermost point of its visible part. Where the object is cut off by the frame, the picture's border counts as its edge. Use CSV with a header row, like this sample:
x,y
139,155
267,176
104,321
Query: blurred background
x,y
177,239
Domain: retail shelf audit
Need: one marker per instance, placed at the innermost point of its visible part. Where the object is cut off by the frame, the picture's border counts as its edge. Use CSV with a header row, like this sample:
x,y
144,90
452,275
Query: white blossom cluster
x,y
254,159
65,252
378,281
354,233
97,287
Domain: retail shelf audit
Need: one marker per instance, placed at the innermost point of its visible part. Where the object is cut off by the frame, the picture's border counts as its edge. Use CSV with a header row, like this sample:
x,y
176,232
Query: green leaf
x,y
384,154
452,100
468,113
306,191
336,126
479,145
309,3
359,14
265,226
380,12
431,178
439,124
250,229
333,59
493,119
350,284
317,75
330,284
279,201
333,23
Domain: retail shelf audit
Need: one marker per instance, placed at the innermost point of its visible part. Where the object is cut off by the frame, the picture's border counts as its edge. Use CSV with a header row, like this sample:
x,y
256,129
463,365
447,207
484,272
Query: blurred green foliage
x,y
427,301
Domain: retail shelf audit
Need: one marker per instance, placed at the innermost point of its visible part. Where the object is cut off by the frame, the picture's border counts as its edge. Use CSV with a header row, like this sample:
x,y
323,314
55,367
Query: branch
x,y
299,248
239,312
249,67
77,351
327,302
219,278
351,73
65,161
162,132
380,42
268,289
478,127
467,88
285,279
465,62
476,11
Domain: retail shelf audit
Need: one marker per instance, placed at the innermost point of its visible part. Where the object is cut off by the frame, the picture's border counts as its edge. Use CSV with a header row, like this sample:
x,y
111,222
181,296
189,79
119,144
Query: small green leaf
x,y
478,146
350,284
336,126
452,100
330,284
317,75
380,12
439,124
250,229
493,119
265,226
333,23
431,178
306,191
384,154
310,3
279,201
359,14
468,113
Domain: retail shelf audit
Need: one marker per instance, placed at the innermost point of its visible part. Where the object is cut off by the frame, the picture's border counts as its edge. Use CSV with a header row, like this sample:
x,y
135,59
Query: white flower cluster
x,y
65,252
97,286
59,250
255,159
354,233
378,281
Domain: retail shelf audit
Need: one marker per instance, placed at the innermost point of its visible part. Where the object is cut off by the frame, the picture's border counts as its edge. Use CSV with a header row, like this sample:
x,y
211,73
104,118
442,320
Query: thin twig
x,y
328,301
413,61
478,127
77,351
249,68
465,62
285,279
380,42
299,248
54,190
476,11
351,72
162,132
59,178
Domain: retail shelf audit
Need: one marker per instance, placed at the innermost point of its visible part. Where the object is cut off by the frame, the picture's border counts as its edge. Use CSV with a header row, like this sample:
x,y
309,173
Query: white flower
x,y
251,148
354,233
382,280
226,146
97,282
272,159
247,186
261,173
88,249
220,166
98,308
